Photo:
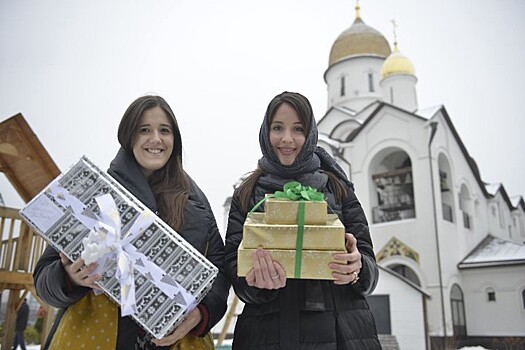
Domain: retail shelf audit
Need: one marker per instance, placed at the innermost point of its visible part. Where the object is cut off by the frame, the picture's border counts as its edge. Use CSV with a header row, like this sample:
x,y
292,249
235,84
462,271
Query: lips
x,y
154,151
286,151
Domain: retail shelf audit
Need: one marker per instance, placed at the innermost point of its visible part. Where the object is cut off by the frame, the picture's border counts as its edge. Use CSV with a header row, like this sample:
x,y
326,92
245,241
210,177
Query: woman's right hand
x,y
266,273
78,273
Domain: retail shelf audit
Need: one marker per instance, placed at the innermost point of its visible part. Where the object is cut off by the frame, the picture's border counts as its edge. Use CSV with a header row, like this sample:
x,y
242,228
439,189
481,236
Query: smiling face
x,y
286,134
153,140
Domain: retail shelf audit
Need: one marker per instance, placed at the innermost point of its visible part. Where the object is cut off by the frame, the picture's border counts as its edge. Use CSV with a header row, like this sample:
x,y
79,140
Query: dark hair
x,y
299,103
170,184
304,110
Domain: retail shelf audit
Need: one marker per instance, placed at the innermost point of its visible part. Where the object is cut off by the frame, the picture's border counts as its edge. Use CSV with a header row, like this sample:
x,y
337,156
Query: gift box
x,y
258,233
280,211
303,249
162,277
314,263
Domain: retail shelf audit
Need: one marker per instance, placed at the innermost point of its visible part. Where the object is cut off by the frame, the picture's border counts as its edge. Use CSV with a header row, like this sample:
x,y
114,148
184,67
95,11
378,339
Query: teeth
x,y
153,150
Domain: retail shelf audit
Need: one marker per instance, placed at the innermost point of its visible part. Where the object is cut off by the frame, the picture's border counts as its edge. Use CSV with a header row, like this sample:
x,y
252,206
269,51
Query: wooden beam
x,y
16,278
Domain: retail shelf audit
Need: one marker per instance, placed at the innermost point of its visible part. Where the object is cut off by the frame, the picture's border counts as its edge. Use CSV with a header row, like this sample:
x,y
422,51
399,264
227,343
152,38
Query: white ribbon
x,y
118,245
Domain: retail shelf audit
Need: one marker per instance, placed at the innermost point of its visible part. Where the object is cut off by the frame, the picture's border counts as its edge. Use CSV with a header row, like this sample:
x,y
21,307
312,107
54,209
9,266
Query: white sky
x,y
72,68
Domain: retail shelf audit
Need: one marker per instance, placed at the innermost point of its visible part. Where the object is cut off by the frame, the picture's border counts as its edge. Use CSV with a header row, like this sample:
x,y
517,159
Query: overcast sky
x,y
72,68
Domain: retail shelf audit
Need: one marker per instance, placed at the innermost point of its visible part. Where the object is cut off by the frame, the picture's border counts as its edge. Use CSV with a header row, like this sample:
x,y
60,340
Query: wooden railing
x,y
20,249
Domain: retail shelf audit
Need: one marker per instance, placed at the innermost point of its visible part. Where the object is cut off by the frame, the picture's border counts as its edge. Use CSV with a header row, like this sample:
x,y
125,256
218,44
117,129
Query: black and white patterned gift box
x,y
58,219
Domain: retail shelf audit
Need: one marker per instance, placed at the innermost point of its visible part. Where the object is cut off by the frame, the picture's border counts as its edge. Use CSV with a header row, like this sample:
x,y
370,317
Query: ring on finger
x,y
356,277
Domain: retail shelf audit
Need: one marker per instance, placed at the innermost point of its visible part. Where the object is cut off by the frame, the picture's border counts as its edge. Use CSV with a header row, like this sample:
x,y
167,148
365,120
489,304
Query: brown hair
x,y
170,184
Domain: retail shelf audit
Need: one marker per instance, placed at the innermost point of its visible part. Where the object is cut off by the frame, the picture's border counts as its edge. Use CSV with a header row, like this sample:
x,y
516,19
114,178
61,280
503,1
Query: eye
x,y
299,129
165,131
277,127
143,130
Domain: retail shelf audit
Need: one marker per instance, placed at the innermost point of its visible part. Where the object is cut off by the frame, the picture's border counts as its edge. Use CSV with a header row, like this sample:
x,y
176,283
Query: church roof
x,y
397,63
359,39
494,251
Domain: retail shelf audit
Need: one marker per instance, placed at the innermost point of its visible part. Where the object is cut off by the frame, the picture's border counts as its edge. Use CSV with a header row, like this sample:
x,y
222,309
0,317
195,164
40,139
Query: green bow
x,y
295,191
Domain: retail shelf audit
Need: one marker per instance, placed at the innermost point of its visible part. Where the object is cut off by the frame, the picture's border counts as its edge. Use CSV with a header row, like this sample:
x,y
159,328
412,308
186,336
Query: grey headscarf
x,y
311,157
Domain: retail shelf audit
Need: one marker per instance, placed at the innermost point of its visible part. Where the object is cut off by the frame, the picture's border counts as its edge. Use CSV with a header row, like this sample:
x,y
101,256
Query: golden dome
x,y
397,63
359,39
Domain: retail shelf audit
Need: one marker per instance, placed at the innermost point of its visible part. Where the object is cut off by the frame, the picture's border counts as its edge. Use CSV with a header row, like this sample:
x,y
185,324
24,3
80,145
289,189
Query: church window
x,y
465,205
393,187
523,298
491,294
342,86
445,187
457,305
406,272
371,82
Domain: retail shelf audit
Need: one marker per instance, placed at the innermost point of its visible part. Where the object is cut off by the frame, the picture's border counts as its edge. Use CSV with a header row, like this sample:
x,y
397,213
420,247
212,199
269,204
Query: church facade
x,y
451,248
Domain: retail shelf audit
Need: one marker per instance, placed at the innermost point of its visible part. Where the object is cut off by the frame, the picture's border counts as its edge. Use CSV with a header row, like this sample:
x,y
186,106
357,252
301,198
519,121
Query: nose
x,y
155,136
287,136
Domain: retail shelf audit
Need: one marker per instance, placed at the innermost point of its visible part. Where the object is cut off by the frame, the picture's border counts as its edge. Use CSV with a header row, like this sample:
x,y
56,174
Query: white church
x,y
451,249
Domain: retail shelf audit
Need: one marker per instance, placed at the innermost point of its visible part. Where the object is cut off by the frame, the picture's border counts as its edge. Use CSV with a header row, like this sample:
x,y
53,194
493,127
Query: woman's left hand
x,y
347,271
193,319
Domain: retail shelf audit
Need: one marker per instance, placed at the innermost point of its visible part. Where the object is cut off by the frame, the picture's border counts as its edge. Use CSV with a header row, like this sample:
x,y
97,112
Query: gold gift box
x,y
257,233
279,211
314,262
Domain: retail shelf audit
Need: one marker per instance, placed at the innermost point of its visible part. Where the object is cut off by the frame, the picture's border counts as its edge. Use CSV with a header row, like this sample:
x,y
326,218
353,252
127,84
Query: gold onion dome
x,y
397,63
359,39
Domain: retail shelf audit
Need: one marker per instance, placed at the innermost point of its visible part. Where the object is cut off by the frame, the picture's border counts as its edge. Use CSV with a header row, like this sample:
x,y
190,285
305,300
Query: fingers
x,y
346,267
351,242
190,322
266,273
78,273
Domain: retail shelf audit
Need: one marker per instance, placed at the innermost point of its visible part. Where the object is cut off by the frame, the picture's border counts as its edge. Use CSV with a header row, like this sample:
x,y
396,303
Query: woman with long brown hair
x,y
283,313
149,165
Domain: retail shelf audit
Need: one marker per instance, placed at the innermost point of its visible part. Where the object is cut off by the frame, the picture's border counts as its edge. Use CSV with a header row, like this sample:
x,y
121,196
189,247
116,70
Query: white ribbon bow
x,y
106,241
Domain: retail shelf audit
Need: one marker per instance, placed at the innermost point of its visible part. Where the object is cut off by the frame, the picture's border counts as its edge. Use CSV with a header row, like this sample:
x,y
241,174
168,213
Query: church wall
x,y
355,70
506,315
406,308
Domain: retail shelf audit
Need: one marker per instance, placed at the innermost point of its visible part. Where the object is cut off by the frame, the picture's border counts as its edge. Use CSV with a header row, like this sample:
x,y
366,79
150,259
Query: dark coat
x,y
200,230
305,314
22,316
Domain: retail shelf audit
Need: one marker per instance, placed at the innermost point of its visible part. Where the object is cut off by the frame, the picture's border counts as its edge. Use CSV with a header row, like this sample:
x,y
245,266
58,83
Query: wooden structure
x,y
29,168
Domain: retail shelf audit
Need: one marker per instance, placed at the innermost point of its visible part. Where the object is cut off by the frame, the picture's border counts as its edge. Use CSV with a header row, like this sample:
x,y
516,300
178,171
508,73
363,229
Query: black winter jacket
x,y
200,230
305,314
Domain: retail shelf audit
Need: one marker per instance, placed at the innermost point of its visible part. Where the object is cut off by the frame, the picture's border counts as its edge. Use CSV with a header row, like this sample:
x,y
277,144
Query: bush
x,y
32,336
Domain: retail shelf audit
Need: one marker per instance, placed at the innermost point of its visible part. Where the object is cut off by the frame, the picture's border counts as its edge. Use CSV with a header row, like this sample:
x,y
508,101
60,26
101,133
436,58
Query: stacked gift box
x,y
277,230
62,214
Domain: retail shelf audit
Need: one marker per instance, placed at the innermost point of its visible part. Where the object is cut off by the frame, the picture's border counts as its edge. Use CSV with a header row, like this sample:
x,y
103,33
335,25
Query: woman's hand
x,y
190,322
266,273
347,271
78,273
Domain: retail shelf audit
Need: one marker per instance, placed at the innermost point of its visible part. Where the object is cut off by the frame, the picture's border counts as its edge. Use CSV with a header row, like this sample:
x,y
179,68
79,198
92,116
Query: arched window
x,y
406,272
491,294
465,205
523,298
457,305
343,88
392,196
445,185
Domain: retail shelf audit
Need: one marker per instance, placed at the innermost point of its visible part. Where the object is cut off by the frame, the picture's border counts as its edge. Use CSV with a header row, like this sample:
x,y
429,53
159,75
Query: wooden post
x,y
229,315
10,319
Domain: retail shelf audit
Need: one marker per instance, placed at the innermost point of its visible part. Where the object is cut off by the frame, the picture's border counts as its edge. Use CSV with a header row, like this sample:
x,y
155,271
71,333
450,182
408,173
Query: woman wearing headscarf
x,y
149,165
281,313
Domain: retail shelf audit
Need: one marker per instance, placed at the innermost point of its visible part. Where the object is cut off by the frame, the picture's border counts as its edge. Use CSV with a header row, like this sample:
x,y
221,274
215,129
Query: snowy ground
x,y
37,347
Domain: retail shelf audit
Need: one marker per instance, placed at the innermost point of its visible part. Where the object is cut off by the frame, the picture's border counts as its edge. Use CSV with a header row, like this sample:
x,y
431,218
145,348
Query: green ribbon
x,y
294,191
